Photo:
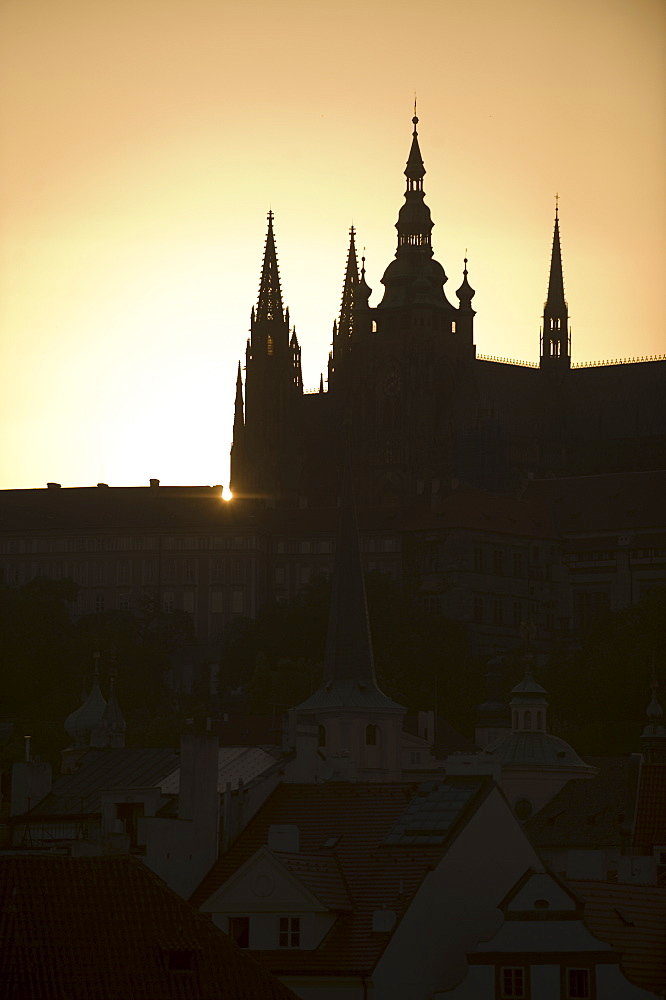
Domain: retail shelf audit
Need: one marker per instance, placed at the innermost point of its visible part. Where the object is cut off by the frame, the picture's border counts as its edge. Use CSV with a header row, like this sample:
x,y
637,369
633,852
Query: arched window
x,y
515,720
539,723
527,720
371,735
322,736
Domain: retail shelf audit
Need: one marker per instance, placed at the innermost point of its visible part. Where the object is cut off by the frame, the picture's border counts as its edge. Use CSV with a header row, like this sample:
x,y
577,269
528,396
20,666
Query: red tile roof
x,y
650,829
109,929
376,875
632,918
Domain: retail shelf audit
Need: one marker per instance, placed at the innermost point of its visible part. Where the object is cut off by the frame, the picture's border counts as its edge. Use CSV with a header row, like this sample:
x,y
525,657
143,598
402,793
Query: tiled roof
x,y
356,818
431,814
321,874
233,765
78,794
109,929
650,828
632,918
590,814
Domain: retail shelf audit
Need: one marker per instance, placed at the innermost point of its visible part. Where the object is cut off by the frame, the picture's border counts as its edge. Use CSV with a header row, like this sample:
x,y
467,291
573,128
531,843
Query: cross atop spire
x,y
269,304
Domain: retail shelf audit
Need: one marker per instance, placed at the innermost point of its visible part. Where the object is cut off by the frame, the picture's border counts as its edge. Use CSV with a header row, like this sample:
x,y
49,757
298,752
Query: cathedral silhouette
x,y
421,409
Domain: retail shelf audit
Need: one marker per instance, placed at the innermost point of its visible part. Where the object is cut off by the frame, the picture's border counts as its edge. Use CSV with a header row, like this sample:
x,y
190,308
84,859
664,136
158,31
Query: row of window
x,y
221,601
514,983
129,543
288,931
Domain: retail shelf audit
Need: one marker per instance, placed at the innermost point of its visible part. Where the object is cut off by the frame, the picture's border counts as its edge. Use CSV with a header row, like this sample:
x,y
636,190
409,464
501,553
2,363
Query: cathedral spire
x,y
238,405
345,327
269,304
555,339
414,224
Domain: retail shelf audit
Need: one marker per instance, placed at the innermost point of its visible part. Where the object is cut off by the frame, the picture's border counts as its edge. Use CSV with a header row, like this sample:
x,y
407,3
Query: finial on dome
x,y
415,120
557,203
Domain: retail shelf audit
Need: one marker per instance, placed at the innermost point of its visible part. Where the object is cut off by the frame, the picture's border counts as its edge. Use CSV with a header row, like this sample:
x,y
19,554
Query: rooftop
x,y
108,929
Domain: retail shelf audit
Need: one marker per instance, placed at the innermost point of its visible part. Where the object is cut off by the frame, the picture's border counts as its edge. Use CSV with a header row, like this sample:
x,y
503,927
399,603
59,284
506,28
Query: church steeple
x,y
555,339
414,224
269,303
653,737
343,330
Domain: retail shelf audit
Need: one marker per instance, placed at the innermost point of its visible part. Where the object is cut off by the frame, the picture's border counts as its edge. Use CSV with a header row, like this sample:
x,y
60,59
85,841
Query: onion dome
x,y
465,293
80,724
363,291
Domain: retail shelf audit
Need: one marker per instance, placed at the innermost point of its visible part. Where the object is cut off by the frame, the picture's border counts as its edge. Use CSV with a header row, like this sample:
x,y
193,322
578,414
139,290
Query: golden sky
x,y
145,140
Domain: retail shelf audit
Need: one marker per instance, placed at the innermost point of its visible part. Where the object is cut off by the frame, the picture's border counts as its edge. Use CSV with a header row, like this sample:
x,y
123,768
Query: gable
x,y
263,885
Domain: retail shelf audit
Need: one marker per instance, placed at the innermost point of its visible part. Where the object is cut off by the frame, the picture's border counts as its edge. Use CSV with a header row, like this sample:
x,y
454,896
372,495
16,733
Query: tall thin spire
x,y
555,299
345,327
238,404
555,340
269,304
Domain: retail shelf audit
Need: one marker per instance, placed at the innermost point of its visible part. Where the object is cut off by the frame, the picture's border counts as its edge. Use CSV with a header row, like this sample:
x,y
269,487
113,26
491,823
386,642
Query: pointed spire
x,y
269,304
238,404
415,169
555,341
345,327
555,298
321,382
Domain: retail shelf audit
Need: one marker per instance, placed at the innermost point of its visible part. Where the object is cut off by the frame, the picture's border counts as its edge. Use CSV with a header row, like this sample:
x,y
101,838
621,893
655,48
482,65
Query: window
x,y
168,602
578,984
478,609
237,602
497,612
517,564
322,736
124,601
513,982
371,735
99,602
239,931
478,560
498,563
290,932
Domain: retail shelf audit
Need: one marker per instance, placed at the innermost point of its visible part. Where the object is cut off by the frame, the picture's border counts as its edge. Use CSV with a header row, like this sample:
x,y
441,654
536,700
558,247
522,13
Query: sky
x,y
144,141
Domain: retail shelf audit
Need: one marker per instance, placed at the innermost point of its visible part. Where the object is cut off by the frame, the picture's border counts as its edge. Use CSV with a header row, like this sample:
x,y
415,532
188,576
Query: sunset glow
x,y
144,143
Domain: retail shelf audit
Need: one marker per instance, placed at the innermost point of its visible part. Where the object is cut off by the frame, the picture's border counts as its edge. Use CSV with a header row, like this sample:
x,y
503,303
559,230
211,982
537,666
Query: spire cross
x,y
415,120
557,202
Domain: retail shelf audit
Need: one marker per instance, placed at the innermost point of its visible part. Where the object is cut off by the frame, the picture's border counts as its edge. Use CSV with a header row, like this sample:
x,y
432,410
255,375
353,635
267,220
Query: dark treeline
x,y
598,688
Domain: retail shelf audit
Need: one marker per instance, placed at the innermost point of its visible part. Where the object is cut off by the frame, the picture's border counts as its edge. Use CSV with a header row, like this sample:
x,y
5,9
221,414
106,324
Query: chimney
x,y
53,486
284,837
154,484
